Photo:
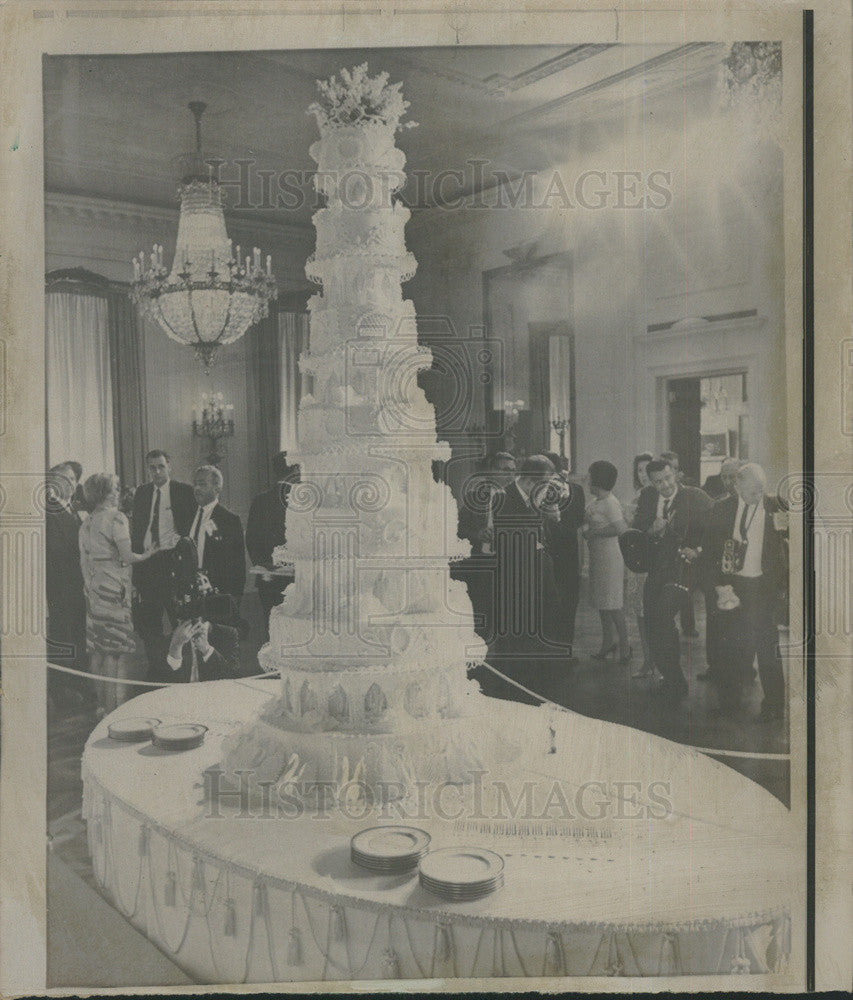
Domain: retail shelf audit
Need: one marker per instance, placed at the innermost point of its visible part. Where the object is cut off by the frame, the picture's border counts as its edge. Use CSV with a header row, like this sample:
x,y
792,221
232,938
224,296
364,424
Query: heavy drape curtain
x,y
95,386
263,398
293,339
127,367
79,385
274,388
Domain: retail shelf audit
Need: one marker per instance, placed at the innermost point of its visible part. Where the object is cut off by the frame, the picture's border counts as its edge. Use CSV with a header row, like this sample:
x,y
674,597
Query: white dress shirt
x,y
663,501
754,537
165,520
176,662
202,513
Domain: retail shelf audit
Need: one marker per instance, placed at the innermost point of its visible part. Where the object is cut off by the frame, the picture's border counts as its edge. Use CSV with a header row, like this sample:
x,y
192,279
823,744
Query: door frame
x,y
702,348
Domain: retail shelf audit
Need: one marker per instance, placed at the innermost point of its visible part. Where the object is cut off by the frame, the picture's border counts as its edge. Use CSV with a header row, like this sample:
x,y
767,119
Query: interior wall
x,y
685,222
103,237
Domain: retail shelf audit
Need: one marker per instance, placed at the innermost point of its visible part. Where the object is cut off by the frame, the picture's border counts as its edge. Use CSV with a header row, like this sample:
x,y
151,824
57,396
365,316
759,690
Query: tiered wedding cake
x,y
373,637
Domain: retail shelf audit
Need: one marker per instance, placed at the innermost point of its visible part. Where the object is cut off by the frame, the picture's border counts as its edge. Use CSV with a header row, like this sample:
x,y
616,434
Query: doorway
x,y
708,422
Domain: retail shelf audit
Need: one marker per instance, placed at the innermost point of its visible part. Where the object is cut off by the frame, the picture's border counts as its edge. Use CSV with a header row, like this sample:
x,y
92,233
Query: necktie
x,y
155,519
744,527
667,508
197,527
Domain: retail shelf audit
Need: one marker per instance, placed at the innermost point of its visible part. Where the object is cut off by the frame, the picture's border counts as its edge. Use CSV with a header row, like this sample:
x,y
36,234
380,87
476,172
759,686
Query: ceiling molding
x,y
657,62
108,210
576,54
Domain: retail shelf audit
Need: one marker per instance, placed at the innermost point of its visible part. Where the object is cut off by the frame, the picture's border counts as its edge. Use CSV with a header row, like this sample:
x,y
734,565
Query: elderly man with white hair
x,y
745,553
217,534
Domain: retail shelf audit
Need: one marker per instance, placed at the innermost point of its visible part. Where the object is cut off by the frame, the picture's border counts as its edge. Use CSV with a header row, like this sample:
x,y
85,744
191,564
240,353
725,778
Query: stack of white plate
x,y
389,849
461,873
186,736
133,730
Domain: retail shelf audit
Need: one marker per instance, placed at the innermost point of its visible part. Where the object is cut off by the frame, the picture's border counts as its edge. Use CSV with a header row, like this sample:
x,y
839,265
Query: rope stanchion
x,y
148,684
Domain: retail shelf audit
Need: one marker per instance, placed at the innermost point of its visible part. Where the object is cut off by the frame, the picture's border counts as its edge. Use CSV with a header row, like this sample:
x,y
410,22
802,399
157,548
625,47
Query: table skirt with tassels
x,y
242,894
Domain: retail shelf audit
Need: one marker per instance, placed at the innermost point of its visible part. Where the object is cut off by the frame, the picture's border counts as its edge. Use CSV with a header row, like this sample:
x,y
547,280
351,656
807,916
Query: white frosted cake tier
x,y
373,633
344,152
370,260
383,766
371,699
340,227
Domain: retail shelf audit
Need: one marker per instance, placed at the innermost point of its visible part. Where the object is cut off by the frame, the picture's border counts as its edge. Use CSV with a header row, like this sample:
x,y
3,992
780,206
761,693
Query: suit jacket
x,y
224,559
528,608
265,528
221,663
774,558
63,576
562,539
149,575
691,508
66,604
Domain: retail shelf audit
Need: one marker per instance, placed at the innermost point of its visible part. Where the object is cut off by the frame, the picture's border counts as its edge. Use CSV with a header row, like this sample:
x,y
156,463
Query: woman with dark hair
x,y
602,528
105,559
634,582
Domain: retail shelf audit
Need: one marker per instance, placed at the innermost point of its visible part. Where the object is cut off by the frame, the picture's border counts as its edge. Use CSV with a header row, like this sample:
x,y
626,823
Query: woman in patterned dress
x,y
105,559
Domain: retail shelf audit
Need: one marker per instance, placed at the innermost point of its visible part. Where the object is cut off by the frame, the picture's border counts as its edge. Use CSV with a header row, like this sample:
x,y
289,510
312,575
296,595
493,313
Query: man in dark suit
x,y
528,645
66,605
197,651
744,553
217,534
265,529
718,488
674,516
562,541
686,612
494,472
162,511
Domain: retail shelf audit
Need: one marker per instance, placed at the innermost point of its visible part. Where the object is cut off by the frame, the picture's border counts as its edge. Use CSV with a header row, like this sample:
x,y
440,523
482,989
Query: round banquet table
x,y
242,893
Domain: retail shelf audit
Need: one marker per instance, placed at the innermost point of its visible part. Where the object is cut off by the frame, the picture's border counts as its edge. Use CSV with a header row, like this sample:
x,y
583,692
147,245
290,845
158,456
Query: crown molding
x,y
703,327
709,55
575,54
108,211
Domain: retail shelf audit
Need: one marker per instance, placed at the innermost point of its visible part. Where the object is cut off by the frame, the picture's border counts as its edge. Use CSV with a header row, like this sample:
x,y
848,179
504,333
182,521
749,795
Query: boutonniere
x,y
211,531
780,520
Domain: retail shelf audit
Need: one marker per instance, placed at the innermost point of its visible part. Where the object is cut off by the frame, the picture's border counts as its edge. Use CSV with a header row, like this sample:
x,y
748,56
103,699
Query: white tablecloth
x,y
710,887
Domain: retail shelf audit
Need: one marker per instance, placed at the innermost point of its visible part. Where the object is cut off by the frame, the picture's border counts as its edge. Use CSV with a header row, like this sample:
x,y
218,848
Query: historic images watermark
x,y
524,804
477,184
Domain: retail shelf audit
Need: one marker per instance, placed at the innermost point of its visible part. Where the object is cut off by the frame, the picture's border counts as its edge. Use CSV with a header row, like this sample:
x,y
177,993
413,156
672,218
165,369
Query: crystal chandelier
x,y
211,296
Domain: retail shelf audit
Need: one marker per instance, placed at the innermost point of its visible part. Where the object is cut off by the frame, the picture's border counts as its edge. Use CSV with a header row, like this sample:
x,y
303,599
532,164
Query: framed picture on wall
x,y
714,445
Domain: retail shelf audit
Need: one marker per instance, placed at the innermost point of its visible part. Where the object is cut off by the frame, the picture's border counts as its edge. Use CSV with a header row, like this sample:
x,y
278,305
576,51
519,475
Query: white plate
x,y
182,736
390,843
461,895
132,730
461,866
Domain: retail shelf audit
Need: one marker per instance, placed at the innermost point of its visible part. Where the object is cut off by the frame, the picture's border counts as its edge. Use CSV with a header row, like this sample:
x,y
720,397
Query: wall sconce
x,y
214,420
561,425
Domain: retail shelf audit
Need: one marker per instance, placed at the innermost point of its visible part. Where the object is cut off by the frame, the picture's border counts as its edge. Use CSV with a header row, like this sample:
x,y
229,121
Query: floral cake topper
x,y
358,98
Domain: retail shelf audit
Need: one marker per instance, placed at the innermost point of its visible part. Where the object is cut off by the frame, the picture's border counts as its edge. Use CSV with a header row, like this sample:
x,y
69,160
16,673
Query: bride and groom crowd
x,y
726,541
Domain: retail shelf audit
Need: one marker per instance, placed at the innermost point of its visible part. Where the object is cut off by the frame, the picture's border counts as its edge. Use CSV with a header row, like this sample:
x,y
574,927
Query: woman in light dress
x,y
603,525
635,582
105,559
